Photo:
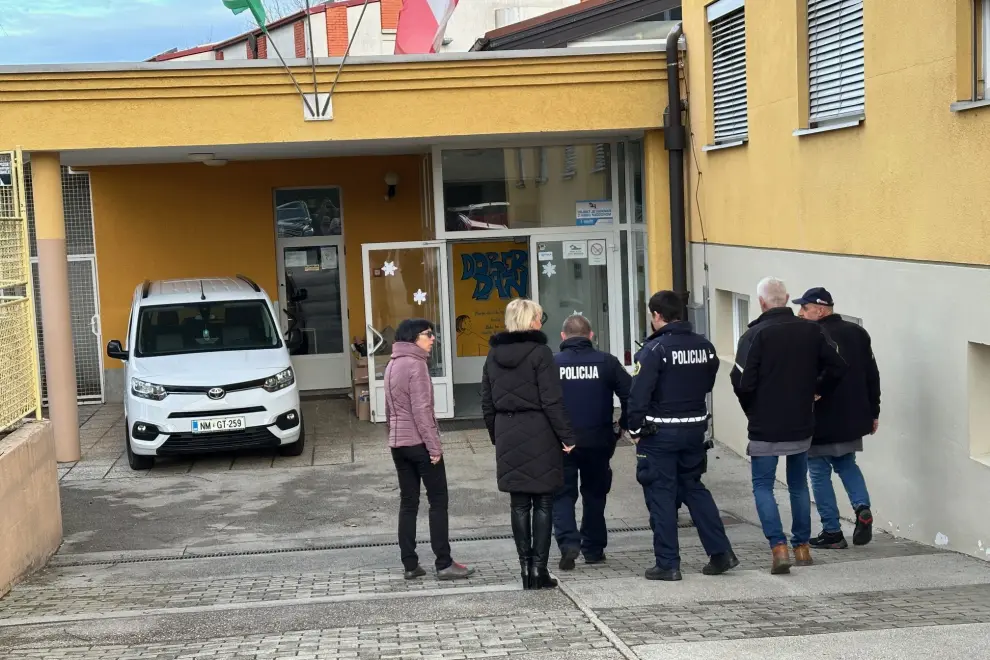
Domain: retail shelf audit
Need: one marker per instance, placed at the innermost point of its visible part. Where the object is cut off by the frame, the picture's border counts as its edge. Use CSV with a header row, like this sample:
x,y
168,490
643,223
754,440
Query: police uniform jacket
x,y
848,412
590,377
675,370
781,363
523,405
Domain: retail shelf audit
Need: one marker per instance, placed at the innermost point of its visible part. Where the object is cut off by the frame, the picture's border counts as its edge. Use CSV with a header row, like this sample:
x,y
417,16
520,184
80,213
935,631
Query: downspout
x,y
674,140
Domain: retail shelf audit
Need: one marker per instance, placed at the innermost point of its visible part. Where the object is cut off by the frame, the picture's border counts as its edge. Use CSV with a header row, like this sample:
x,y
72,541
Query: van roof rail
x,y
145,288
250,282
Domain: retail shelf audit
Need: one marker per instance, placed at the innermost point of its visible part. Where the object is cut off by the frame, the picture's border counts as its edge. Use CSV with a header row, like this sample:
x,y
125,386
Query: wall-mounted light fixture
x,y
391,181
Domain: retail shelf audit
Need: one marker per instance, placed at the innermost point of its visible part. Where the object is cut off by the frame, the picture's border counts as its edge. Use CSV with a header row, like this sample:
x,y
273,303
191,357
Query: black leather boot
x,y
522,532
542,531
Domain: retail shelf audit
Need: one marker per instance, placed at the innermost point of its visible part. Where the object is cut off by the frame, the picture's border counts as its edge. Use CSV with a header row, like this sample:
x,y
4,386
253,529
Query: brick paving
x,y
800,615
450,640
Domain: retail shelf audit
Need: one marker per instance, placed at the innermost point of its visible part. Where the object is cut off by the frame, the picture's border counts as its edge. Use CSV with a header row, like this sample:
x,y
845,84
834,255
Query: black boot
x,y
522,532
542,530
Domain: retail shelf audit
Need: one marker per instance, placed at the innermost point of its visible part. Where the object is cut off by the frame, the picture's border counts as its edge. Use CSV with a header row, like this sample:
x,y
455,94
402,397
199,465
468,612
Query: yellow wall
x,y
910,182
189,220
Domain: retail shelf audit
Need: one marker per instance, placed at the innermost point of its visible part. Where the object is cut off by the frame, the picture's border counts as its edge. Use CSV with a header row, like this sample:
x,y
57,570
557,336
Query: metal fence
x,y
19,391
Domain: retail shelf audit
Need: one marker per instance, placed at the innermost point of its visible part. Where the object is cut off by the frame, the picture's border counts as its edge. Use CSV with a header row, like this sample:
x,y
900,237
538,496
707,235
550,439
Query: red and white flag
x,y
421,25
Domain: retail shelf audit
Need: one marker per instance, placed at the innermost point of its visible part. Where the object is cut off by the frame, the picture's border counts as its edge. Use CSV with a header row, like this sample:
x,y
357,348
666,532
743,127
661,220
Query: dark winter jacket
x,y
782,362
524,410
847,413
589,379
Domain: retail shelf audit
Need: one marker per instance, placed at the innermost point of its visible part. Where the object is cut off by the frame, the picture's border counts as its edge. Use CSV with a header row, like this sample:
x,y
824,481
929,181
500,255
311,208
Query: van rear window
x,y
234,325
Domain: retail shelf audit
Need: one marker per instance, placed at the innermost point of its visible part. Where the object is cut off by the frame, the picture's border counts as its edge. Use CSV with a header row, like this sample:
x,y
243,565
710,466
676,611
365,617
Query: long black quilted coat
x,y
523,405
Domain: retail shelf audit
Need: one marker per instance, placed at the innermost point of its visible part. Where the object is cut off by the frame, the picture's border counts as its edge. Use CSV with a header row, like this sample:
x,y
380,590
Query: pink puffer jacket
x,y
409,400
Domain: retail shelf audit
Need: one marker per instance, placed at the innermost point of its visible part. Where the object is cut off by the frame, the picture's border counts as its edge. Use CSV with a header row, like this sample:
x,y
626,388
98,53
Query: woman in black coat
x,y
523,405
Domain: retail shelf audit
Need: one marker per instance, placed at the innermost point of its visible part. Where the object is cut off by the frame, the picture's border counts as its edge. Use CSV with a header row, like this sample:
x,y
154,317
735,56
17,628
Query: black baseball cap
x,y
816,296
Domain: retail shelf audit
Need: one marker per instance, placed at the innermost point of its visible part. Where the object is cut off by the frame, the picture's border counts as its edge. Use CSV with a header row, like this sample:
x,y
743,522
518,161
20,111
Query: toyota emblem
x,y
215,393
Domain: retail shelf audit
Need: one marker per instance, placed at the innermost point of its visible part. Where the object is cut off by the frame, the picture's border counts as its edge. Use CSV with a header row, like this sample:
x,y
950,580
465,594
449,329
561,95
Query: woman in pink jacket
x,y
414,438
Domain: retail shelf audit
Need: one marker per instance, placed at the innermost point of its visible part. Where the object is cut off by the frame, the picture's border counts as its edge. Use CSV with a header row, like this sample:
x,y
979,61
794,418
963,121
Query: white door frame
x,y
443,386
612,265
326,371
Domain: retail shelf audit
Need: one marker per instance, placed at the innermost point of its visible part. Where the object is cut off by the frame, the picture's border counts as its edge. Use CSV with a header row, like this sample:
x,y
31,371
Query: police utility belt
x,y
653,424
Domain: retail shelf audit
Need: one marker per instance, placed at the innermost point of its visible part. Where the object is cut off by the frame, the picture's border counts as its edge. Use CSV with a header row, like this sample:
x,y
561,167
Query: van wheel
x,y
296,448
136,461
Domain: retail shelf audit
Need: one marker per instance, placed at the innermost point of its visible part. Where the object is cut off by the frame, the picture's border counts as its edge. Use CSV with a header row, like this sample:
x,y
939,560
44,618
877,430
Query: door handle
x,y
381,340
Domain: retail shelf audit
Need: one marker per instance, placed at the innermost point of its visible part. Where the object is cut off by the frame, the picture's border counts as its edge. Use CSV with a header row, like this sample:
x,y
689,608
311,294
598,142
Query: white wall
x,y
195,57
367,38
921,317
236,51
473,18
285,38
319,45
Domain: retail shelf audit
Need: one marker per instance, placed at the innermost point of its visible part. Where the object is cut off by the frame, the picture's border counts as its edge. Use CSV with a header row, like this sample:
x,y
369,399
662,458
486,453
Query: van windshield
x,y
235,325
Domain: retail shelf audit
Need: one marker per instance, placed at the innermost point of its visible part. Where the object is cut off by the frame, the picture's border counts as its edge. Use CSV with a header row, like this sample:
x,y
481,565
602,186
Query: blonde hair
x,y
521,313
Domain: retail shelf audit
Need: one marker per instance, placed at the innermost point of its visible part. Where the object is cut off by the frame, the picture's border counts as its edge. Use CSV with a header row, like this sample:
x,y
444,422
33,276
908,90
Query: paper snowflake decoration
x,y
549,269
419,297
577,313
389,269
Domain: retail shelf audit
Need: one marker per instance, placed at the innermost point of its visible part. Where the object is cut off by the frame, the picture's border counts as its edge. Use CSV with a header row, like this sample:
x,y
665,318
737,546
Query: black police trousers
x,y
586,471
669,466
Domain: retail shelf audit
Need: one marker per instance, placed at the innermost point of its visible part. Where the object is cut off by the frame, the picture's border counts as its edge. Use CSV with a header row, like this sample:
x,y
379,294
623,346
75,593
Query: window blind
x,y
836,76
729,76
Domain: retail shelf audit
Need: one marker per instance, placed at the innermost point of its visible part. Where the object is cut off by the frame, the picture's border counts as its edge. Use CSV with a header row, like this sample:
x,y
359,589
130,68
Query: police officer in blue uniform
x,y
668,416
589,378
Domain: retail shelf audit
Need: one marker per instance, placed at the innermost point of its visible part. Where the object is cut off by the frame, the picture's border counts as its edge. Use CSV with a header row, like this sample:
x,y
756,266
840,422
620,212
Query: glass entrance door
x,y
313,298
578,276
401,281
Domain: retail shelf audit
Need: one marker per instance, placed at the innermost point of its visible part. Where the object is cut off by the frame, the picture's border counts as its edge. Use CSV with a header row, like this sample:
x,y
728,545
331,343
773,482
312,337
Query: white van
x,y
207,370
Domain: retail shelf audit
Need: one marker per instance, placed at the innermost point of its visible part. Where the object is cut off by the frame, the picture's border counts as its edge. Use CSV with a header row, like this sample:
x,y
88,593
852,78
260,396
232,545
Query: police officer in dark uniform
x,y
589,378
668,416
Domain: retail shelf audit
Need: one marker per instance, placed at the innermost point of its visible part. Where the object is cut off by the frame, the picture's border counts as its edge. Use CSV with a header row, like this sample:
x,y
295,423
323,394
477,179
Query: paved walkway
x,y
246,558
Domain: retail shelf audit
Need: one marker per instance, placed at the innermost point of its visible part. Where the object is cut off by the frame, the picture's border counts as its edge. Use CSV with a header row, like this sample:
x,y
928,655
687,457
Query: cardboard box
x,y
364,406
359,369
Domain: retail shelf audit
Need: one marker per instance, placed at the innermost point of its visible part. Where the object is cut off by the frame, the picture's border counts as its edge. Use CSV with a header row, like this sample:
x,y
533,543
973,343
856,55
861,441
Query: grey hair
x,y
773,291
576,325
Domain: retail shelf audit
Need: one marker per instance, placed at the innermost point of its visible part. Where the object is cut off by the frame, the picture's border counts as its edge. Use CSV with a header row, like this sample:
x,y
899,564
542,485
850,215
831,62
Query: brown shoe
x,y
781,560
802,555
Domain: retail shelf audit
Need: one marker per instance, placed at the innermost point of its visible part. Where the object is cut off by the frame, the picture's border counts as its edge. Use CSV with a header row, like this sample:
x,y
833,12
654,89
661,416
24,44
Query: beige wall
x,y
927,468
30,510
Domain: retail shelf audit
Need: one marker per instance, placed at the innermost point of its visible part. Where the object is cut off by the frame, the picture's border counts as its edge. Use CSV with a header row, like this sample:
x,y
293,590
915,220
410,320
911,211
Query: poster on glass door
x,y
593,212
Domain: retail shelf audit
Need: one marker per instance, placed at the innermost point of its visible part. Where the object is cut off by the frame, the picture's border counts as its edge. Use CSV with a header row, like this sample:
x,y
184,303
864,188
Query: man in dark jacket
x,y
842,419
590,379
783,364
668,416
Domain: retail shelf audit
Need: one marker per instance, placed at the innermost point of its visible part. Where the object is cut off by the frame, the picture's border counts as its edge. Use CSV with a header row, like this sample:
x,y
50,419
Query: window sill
x,y
983,458
726,145
963,106
838,126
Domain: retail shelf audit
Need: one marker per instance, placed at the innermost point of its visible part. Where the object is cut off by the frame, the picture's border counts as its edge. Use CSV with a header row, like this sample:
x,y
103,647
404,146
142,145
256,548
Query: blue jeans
x,y
820,468
669,466
764,470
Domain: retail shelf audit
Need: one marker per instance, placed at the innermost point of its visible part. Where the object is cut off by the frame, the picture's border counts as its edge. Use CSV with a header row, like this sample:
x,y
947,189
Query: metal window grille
x,y
83,292
731,120
570,163
837,73
601,158
19,395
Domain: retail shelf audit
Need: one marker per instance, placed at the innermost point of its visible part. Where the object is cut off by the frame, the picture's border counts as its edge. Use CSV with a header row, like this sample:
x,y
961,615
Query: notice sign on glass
x,y
594,212
5,174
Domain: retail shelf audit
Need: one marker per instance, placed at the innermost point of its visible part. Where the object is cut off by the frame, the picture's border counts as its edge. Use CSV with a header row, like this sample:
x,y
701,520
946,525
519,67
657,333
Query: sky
x,y
54,31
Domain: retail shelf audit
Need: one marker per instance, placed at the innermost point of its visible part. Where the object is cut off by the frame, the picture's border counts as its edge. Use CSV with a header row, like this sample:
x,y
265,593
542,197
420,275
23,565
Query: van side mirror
x,y
115,350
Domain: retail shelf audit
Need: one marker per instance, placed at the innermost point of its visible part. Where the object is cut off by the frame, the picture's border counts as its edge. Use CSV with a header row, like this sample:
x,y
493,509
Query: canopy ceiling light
x,y
215,162
200,157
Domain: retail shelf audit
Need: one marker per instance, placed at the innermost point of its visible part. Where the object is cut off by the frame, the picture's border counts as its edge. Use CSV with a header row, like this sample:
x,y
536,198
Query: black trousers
x,y
413,466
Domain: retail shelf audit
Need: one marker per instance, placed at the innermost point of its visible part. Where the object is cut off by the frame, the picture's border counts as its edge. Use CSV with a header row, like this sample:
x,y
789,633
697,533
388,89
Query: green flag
x,y
254,6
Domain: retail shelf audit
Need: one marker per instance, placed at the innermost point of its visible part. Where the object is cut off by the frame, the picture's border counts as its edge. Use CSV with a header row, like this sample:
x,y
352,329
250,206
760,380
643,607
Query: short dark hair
x,y
669,305
459,322
410,330
576,326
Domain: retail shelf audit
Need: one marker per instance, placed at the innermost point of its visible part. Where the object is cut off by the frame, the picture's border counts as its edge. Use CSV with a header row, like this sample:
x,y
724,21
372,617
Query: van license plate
x,y
217,424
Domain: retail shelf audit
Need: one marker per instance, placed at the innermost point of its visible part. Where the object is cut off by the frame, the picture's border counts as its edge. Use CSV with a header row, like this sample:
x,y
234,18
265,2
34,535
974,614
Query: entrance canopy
x,y
185,104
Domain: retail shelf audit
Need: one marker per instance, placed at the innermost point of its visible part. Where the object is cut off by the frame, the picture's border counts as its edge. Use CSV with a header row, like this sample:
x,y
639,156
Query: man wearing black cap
x,y
842,418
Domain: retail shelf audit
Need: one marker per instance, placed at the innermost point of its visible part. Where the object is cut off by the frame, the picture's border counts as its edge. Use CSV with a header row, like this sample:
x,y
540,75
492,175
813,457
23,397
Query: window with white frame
x,y
740,317
727,21
836,63
981,49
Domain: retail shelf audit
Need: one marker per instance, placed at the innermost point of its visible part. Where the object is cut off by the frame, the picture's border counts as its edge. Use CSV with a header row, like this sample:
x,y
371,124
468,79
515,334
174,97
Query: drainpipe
x,y
674,140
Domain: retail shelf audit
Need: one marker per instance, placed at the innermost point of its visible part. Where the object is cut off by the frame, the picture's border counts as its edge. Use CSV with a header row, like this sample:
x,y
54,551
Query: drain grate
x,y
684,524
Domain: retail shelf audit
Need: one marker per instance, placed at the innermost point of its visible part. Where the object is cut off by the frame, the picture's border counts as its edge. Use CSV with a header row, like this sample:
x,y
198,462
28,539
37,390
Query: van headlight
x,y
145,390
280,381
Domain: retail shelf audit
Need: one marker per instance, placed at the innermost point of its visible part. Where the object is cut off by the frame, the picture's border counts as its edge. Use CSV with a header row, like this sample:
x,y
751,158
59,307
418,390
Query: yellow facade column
x,y
656,193
53,275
